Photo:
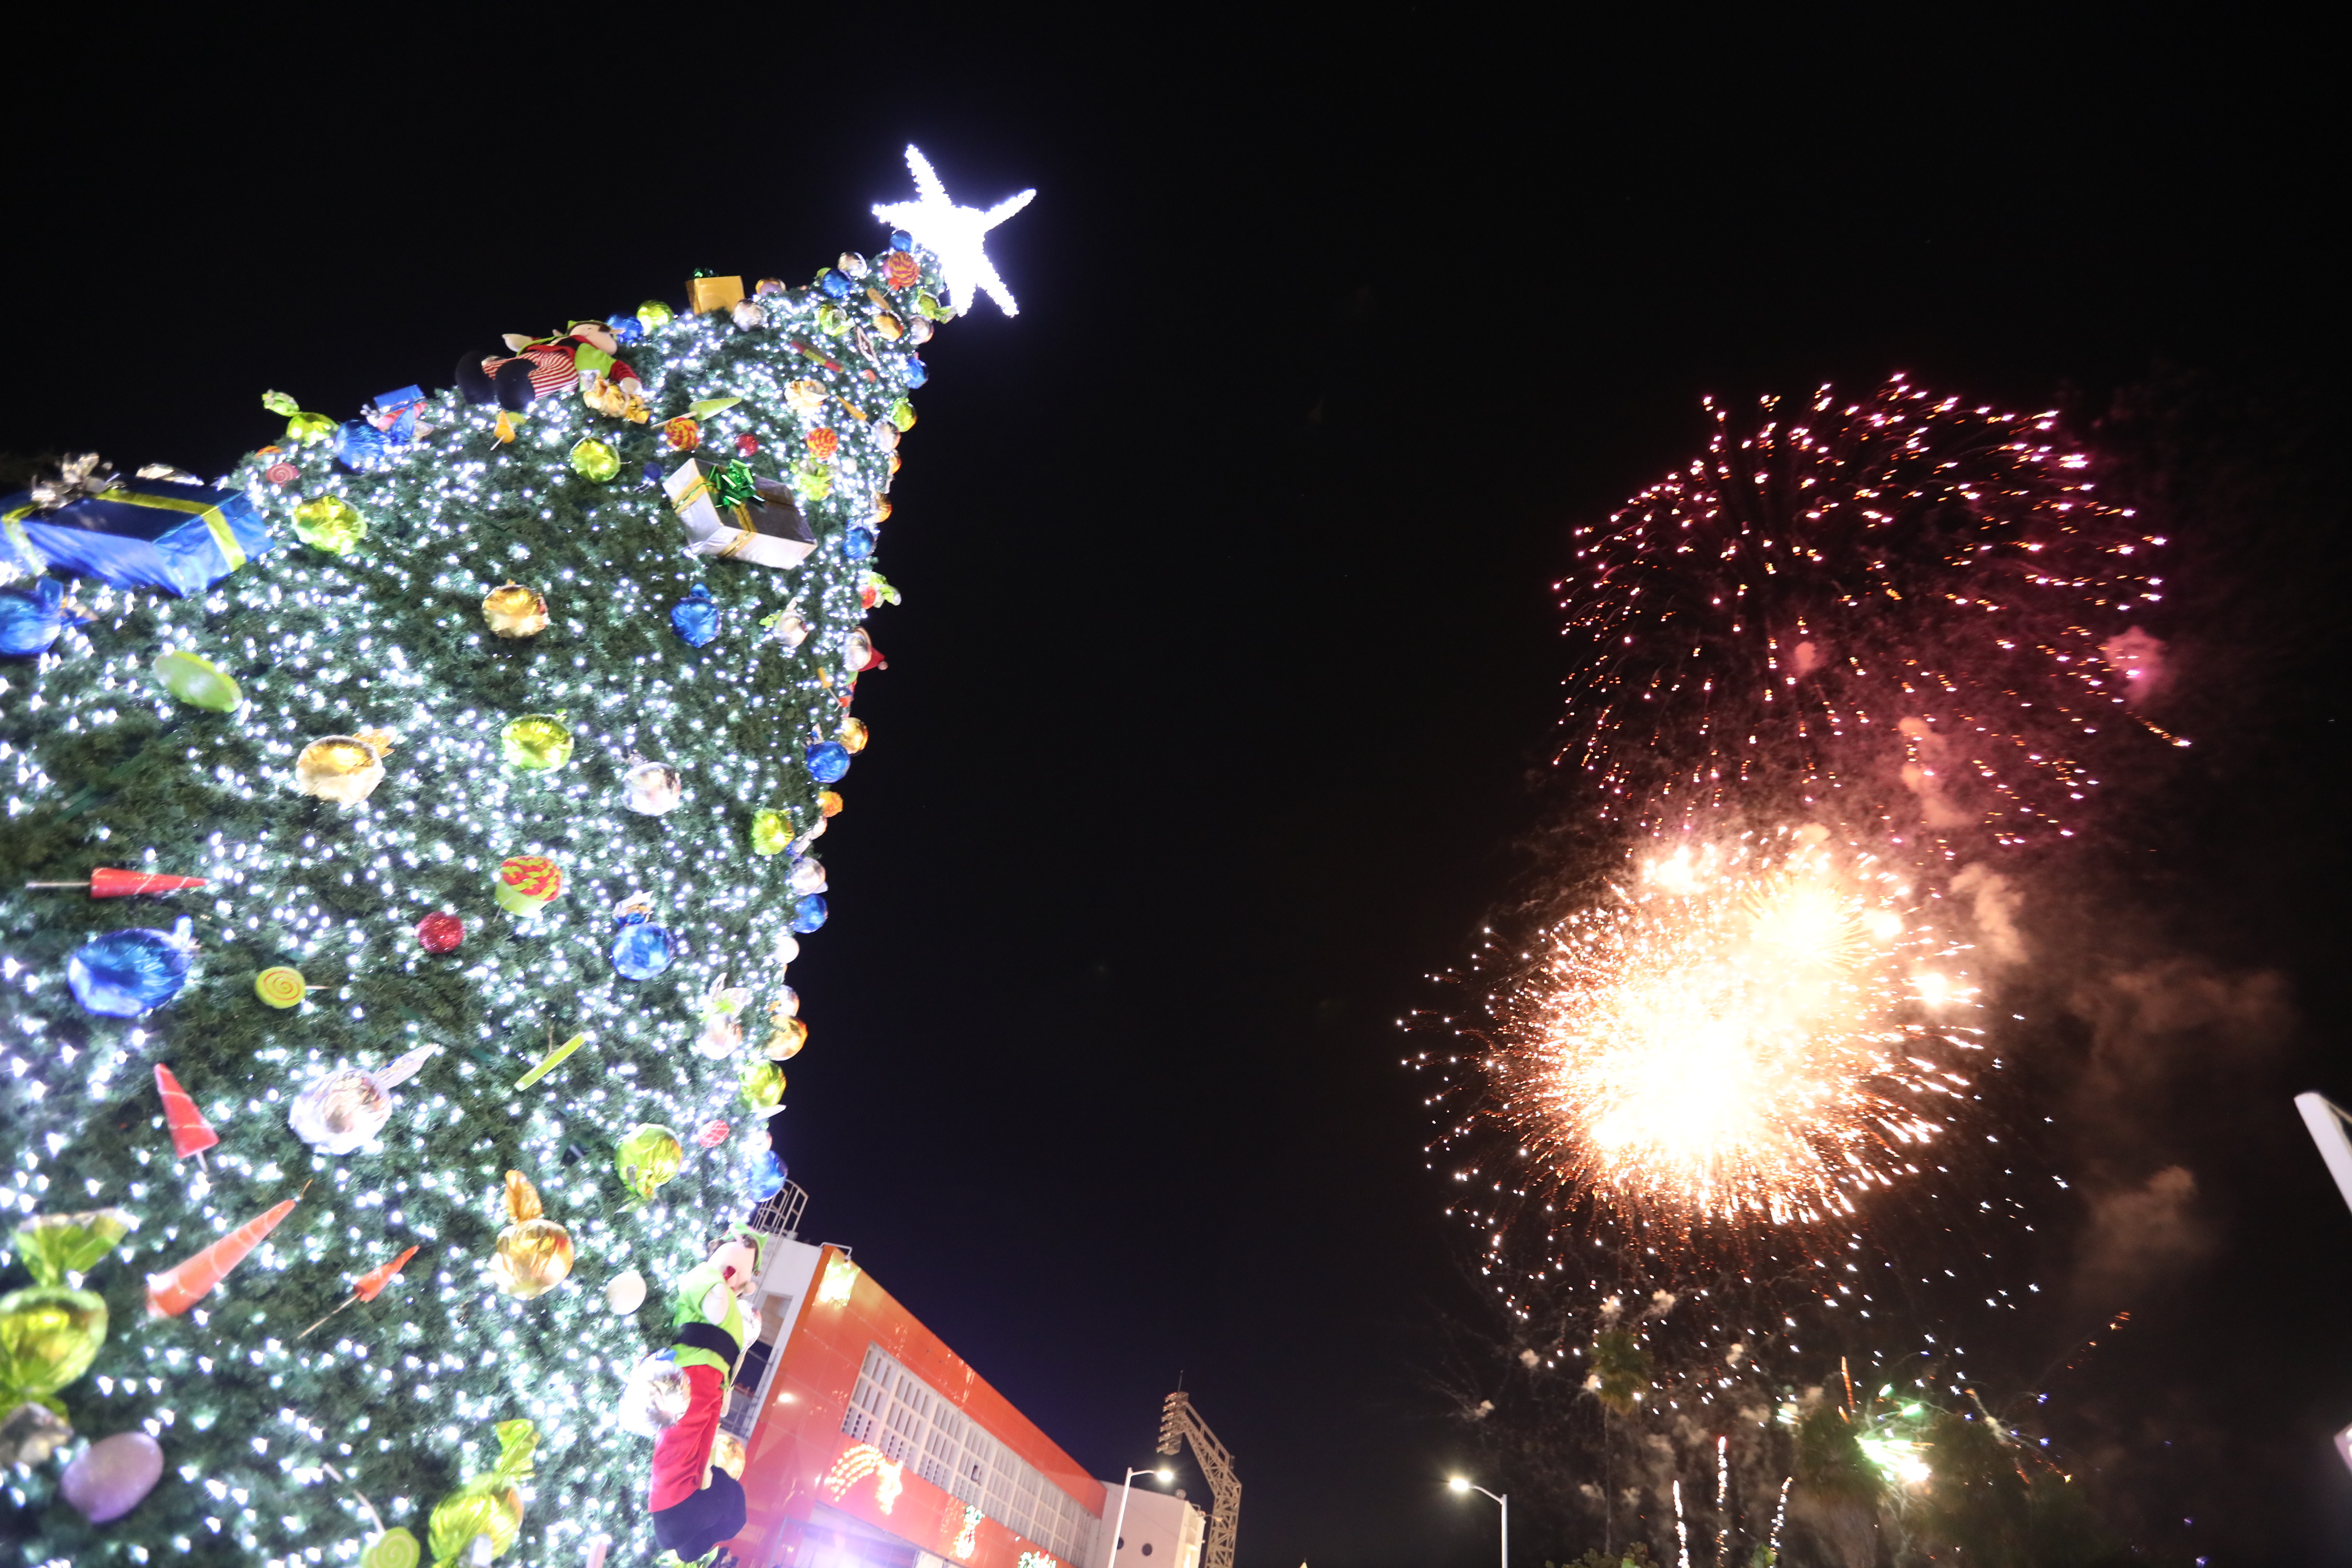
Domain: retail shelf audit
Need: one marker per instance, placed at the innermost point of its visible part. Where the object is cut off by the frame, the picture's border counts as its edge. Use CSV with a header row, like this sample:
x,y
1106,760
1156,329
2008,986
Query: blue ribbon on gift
x,y
143,533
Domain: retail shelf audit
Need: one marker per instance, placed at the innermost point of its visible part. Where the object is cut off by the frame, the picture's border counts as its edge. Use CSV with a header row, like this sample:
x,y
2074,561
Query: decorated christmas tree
x,y
406,838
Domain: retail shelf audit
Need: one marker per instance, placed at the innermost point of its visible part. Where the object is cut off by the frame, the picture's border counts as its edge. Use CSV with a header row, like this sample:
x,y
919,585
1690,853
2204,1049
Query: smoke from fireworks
x,y
1843,653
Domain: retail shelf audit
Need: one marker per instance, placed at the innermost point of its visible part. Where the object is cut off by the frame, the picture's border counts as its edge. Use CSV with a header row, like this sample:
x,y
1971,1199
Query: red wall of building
x,y
800,1460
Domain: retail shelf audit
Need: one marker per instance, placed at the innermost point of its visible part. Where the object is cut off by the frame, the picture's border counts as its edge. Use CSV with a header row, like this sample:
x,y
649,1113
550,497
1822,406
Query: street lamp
x,y
1163,1475
1457,1483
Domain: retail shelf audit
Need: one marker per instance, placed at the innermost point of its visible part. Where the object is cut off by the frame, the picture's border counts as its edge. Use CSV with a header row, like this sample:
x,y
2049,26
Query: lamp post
x,y
1457,1483
1163,1475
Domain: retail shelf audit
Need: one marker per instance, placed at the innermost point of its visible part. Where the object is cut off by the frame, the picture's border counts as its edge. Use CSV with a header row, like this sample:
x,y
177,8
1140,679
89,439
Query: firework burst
x,y
1754,1030
1908,616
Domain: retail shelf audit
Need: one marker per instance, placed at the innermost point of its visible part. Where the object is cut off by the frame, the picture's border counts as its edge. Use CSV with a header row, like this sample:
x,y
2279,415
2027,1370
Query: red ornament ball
x,y
713,1134
901,270
440,933
747,445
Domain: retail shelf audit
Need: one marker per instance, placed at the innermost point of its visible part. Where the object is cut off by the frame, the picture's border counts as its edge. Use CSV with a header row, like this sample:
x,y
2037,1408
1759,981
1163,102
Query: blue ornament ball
x,y
31,619
127,972
768,1177
809,913
695,618
628,329
827,760
915,374
857,543
652,471
834,284
642,950
902,240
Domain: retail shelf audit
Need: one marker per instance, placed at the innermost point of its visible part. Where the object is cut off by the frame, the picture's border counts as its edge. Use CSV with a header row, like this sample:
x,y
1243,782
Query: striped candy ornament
x,y
190,1133
184,1284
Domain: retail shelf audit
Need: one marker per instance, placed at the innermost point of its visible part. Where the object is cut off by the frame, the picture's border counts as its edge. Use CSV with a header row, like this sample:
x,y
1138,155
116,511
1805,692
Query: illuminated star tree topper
x,y
955,235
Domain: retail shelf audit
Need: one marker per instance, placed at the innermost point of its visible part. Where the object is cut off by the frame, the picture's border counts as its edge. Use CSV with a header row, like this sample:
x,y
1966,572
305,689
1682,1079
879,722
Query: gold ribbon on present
x,y
699,490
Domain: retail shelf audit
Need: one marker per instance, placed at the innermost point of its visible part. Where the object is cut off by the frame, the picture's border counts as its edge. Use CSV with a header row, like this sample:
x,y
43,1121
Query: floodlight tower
x,y
1178,1422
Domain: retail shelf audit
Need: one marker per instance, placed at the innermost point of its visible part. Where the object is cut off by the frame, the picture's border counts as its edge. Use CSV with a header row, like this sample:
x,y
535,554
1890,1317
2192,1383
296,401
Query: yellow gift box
x,y
704,295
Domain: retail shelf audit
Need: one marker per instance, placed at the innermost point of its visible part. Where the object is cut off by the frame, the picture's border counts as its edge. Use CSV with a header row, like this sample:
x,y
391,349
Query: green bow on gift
x,y
735,485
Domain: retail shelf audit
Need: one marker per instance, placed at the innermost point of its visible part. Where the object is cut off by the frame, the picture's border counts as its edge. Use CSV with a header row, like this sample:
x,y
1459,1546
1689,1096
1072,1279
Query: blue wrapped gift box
x,y
143,533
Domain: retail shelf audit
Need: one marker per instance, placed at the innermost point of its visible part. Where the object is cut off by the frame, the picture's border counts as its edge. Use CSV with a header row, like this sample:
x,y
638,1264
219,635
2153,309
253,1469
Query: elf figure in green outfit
x,y
696,1506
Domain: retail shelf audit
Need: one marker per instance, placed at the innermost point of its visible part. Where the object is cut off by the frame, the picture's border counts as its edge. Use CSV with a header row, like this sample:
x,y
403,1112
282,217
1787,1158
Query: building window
x,y
910,1424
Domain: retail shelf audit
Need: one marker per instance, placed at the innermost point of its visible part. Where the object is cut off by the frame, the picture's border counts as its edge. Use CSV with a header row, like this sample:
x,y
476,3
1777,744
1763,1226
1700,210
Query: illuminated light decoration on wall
x,y
384,632
968,1538
859,1461
1038,1559
840,1279
906,1419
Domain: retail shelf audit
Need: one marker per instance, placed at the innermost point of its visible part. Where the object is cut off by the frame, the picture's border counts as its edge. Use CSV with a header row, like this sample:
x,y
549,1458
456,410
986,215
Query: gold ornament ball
x,y
726,1452
828,802
344,769
515,611
785,1043
854,735
330,523
533,1256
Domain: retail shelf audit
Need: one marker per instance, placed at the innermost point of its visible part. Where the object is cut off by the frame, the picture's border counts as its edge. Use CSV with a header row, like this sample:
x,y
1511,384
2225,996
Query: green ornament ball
x,y
197,682
762,1085
653,314
330,523
771,832
594,459
832,319
647,1157
48,1336
902,415
395,1548
537,743
308,429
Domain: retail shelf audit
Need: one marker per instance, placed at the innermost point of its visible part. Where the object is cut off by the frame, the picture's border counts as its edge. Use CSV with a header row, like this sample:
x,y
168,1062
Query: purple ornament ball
x,y
113,1476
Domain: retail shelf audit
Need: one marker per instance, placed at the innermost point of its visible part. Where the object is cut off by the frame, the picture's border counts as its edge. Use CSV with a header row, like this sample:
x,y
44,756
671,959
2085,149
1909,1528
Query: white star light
x,y
954,235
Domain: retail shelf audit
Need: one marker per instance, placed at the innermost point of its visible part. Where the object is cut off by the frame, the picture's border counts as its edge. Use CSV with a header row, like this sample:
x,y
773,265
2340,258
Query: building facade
x,y
869,1444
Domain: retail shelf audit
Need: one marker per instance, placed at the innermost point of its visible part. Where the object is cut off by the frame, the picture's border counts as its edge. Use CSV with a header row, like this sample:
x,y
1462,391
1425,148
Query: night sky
x,y
1218,711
